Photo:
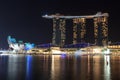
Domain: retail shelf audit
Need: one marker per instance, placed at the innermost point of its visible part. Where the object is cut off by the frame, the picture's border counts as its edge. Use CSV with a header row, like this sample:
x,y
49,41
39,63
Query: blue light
x,y
63,55
29,46
11,40
28,67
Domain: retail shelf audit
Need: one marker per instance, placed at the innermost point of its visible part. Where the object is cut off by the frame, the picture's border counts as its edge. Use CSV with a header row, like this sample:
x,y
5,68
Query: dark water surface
x,y
59,67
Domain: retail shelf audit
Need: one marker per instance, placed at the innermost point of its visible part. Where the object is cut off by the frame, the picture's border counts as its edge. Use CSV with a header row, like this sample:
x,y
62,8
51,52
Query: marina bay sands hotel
x,y
100,21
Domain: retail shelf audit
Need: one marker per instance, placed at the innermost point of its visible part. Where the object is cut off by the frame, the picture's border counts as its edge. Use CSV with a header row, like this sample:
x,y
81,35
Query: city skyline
x,y
23,20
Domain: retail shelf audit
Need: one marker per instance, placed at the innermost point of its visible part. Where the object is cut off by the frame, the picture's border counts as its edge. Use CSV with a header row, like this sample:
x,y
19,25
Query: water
x,y
59,67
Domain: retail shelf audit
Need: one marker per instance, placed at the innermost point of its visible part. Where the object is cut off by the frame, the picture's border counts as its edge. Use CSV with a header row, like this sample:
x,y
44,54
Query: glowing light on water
x,y
106,51
28,67
97,50
63,55
78,52
107,68
56,52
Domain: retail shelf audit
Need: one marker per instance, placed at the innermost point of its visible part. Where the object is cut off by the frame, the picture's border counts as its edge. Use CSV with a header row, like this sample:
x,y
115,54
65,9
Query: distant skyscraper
x,y
79,30
101,30
58,32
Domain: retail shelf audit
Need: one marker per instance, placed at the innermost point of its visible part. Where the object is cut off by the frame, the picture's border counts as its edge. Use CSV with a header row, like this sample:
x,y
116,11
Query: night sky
x,y
22,19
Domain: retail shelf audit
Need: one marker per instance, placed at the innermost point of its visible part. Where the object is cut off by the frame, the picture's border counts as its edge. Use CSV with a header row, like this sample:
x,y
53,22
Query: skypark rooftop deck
x,y
99,14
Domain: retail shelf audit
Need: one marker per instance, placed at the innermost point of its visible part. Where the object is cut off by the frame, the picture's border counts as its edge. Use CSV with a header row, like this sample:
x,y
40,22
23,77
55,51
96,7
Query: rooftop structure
x,y
99,14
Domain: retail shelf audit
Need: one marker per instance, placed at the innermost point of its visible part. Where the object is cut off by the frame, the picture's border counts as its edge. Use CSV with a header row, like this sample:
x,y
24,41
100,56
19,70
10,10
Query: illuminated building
x,y
101,31
19,47
58,32
114,47
79,29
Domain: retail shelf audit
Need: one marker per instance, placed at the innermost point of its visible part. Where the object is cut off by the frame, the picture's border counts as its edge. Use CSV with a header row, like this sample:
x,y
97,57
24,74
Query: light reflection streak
x,y
28,67
12,67
97,67
107,68
88,64
55,67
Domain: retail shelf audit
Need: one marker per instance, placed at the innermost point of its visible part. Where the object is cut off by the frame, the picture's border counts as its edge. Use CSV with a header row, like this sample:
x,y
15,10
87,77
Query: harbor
x,y
59,67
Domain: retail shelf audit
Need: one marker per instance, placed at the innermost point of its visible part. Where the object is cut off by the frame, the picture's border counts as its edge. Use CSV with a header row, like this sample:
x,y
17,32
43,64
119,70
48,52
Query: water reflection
x,y
56,67
107,69
28,67
59,67
15,67
115,67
